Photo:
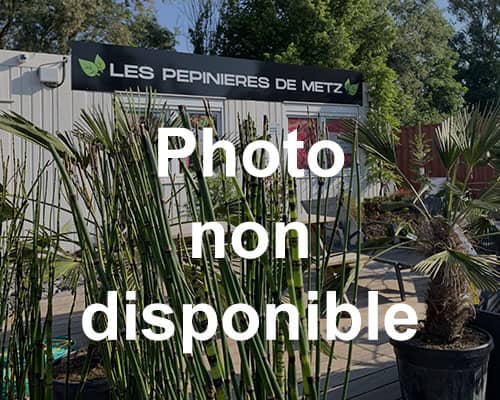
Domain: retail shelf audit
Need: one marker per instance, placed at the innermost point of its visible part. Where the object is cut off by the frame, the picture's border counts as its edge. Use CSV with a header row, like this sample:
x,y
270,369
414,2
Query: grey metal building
x,y
52,90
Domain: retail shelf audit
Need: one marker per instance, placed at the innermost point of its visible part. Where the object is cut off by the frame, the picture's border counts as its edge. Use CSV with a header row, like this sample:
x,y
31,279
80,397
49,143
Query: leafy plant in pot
x,y
447,359
81,375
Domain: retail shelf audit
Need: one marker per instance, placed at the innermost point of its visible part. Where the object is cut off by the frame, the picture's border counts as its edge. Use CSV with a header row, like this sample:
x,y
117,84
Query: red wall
x,y
481,177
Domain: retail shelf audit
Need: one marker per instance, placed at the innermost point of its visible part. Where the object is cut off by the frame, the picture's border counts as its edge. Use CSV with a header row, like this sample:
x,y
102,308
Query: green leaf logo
x,y
92,68
99,63
351,88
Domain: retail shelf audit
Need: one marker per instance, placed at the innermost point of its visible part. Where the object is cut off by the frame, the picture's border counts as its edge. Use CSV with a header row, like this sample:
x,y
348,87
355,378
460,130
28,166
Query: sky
x,y
171,13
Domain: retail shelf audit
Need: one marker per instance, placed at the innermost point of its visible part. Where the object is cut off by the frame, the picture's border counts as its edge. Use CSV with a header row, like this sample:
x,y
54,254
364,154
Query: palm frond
x,y
482,134
431,265
17,124
479,270
472,133
448,140
487,203
376,140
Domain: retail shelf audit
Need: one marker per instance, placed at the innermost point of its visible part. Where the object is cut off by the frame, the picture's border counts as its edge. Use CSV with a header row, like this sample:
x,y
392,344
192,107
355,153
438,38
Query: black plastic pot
x,y
439,374
92,390
490,322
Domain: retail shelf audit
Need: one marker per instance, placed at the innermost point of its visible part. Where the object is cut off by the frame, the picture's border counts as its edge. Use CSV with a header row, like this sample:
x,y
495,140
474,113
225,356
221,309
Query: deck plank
x,y
385,392
373,374
360,385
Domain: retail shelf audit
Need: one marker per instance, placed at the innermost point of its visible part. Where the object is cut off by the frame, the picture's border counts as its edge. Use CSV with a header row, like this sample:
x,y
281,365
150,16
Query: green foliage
x,y
424,62
249,29
382,174
420,156
480,271
469,135
336,34
224,196
146,31
203,16
31,257
375,139
478,43
402,48
379,142
127,242
467,138
51,25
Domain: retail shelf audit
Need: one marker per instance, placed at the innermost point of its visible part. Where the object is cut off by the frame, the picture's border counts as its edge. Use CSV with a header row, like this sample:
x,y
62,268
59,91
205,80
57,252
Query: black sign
x,y
105,68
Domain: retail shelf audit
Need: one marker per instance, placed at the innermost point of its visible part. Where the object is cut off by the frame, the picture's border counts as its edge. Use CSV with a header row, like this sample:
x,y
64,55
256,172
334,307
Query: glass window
x,y
199,120
306,132
334,127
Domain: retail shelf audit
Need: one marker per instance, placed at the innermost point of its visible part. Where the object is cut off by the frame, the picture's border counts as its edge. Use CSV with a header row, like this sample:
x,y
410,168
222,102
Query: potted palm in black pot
x,y
488,318
447,359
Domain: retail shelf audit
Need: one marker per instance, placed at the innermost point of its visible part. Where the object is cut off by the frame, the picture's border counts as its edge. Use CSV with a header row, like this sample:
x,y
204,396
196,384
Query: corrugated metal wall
x,y
53,109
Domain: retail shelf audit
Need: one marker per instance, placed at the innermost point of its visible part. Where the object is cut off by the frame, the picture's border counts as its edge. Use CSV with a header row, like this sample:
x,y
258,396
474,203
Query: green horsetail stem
x,y
109,173
355,158
296,287
235,293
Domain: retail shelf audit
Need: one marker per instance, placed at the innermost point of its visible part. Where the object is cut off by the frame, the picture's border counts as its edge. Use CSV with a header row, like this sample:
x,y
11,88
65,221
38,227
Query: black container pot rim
x,y
88,383
485,347
443,358
486,312
94,382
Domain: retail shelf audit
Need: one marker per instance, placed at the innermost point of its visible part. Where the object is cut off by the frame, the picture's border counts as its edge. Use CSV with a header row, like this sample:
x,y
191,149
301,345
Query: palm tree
x,y
467,139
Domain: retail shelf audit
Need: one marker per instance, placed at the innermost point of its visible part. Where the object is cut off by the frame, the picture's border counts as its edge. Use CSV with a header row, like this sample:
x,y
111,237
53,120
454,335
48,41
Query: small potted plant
x,y
447,359
82,376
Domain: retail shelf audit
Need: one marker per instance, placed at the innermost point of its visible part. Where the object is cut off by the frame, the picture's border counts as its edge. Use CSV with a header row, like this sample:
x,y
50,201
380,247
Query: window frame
x,y
325,112
193,104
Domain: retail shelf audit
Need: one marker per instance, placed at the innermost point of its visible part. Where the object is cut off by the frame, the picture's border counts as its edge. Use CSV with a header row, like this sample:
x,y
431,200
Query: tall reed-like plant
x,y
131,242
31,258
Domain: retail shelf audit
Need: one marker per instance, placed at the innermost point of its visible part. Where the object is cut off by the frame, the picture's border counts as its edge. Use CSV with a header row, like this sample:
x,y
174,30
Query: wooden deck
x,y
373,374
